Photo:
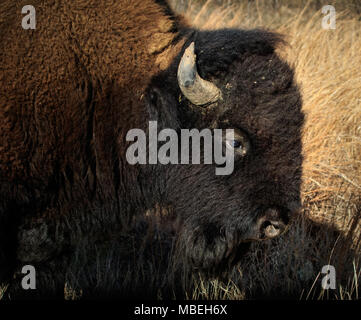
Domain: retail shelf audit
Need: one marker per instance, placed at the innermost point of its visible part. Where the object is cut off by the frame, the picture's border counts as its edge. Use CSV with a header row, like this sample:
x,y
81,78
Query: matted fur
x,y
70,91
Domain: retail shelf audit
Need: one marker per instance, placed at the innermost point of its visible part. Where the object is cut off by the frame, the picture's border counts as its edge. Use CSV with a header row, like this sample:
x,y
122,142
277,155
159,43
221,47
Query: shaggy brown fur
x,y
92,70
64,87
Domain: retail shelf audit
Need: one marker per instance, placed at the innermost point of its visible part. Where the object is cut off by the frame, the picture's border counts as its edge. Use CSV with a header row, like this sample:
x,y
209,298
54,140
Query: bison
x,y
72,88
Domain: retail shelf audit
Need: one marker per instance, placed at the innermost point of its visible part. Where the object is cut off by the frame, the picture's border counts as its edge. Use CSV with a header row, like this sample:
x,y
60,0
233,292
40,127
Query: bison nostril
x,y
272,223
272,229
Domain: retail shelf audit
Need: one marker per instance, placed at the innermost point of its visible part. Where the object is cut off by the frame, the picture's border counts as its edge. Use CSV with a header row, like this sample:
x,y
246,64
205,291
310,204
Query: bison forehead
x,y
258,89
259,94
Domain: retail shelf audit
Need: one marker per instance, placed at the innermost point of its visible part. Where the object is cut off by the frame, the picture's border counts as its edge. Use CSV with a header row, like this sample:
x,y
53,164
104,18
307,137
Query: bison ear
x,y
196,90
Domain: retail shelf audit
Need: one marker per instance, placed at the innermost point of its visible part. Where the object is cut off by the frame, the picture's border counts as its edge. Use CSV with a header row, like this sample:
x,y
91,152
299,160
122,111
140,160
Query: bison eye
x,y
238,142
235,143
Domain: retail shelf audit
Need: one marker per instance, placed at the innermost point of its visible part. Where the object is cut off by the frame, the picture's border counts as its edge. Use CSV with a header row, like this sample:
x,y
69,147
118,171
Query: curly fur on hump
x,y
69,93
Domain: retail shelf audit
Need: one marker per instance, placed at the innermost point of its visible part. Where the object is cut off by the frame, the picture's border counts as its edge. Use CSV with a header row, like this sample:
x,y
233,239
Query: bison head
x,y
232,79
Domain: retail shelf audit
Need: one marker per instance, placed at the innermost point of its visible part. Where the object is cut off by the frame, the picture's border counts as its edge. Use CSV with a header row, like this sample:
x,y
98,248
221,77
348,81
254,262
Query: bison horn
x,y
197,90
